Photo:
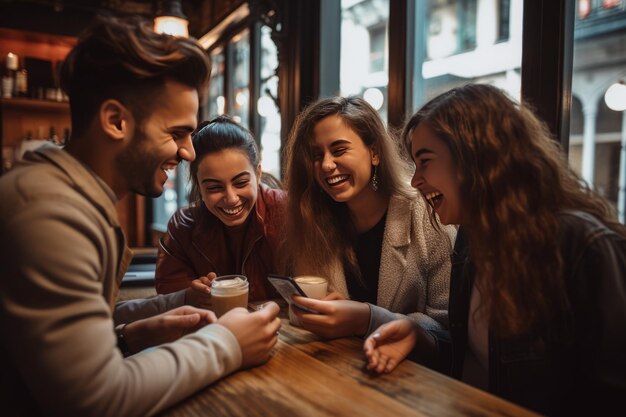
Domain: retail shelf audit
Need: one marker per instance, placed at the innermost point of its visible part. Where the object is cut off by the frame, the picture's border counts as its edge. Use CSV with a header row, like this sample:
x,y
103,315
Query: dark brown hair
x,y
514,181
219,134
127,61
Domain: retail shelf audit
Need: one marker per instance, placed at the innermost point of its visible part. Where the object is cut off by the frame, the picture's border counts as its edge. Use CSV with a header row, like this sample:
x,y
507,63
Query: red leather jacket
x,y
196,244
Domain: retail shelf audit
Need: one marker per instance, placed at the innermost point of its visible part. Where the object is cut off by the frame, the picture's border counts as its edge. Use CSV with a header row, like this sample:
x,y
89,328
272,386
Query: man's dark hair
x,y
124,59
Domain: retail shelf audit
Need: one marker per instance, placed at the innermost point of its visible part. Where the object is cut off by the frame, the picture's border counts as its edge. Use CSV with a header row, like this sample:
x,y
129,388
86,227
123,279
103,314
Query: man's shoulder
x,y
32,181
35,190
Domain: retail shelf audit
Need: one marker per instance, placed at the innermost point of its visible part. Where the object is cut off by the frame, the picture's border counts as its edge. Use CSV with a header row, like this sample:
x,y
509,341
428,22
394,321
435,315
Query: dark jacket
x,y
195,244
572,366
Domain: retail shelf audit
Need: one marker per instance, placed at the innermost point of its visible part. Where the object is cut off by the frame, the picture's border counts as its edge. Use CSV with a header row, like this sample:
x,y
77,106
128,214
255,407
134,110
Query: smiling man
x,y
134,99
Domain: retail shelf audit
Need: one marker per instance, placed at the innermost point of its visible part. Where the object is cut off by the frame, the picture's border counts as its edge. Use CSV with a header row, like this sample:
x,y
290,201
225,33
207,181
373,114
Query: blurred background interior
x,y
272,57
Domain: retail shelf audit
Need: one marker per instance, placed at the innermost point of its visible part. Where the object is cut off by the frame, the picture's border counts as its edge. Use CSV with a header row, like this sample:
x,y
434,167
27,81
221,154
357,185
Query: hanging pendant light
x,y
172,20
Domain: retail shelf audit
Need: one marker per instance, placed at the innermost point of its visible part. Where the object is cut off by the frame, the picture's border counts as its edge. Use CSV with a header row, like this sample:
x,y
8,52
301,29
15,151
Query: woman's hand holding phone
x,y
334,318
287,287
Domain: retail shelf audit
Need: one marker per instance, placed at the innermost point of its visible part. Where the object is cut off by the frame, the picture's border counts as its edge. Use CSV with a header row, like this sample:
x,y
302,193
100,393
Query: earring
x,y
374,179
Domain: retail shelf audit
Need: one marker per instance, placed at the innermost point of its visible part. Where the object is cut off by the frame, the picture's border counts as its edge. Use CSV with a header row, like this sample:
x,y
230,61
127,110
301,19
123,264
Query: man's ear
x,y
115,119
375,155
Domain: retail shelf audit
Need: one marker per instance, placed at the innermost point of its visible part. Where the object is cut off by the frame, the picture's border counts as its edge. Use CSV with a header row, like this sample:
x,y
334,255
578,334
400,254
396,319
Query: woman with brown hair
x,y
538,287
353,219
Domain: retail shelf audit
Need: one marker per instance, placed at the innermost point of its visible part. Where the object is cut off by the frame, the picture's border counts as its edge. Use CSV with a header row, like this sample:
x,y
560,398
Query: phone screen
x,y
286,287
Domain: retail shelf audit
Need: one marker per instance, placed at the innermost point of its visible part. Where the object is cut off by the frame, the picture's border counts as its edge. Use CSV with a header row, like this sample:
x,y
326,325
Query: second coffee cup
x,y
313,287
228,292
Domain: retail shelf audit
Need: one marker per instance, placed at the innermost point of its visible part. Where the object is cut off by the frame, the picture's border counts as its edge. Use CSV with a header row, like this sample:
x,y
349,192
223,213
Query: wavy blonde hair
x,y
514,181
319,229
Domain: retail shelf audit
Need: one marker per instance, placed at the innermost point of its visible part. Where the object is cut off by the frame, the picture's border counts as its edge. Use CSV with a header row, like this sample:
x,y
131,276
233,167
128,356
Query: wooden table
x,y
308,376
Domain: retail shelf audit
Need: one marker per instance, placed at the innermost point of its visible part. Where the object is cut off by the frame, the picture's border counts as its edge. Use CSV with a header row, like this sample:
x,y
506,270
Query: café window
x,y
364,51
377,48
239,95
451,27
466,41
455,42
174,196
597,125
504,20
267,106
215,101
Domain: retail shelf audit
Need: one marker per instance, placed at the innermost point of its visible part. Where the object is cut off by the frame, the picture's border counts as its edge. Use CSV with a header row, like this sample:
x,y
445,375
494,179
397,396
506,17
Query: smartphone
x,y
286,287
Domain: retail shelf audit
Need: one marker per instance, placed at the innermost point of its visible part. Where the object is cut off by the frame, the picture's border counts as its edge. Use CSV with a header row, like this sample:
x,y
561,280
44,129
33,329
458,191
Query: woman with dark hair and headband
x,y
232,226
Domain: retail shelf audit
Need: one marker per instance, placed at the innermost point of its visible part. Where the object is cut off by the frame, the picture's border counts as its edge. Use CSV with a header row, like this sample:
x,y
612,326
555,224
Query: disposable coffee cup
x,y
313,287
228,292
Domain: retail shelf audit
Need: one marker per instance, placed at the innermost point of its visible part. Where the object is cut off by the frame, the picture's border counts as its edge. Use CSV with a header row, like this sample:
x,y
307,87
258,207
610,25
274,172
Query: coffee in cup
x,y
314,287
228,292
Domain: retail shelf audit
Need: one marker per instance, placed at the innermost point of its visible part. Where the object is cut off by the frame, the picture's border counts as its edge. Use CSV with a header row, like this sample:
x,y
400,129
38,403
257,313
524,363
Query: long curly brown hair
x,y
514,181
320,230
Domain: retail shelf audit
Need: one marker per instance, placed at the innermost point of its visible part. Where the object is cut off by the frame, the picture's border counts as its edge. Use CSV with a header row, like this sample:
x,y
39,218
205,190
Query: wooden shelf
x,y
20,117
33,104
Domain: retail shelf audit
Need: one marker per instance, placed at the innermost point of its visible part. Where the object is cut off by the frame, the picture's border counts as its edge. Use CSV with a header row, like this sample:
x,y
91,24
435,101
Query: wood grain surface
x,y
308,376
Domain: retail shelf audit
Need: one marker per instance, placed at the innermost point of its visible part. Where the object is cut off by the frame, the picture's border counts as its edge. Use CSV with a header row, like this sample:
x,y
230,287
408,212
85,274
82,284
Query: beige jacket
x,y
62,258
414,274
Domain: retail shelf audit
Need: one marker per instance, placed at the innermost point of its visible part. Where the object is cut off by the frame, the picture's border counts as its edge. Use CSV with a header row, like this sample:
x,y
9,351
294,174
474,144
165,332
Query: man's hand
x,y
390,344
256,332
199,293
166,327
336,318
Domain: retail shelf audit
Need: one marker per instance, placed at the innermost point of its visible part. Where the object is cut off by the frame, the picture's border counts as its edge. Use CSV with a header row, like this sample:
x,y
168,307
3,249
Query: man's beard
x,y
139,167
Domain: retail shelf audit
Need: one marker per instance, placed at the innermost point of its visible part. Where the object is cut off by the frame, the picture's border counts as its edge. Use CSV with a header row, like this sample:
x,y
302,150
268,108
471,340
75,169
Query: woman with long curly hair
x,y
538,287
354,219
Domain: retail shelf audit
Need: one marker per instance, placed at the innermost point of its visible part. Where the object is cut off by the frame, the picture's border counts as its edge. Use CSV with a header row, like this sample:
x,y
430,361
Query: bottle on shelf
x,y
66,136
8,78
54,138
21,83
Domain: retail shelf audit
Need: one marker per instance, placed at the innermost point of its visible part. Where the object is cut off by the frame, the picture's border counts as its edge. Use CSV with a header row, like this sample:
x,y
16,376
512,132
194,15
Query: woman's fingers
x,y
391,365
320,306
334,296
200,286
382,364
